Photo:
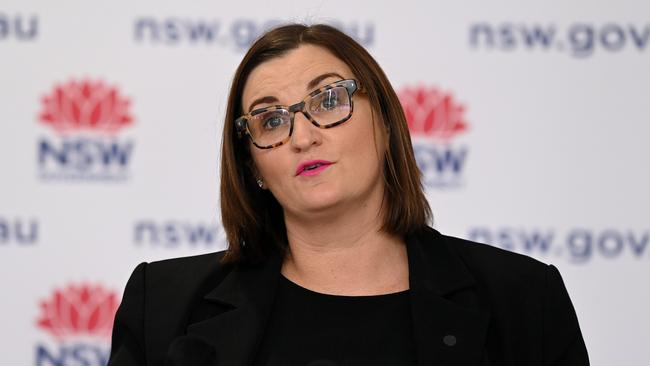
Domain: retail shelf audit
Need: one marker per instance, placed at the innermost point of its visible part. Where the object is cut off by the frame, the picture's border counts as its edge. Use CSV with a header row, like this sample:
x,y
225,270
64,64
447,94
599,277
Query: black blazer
x,y
472,304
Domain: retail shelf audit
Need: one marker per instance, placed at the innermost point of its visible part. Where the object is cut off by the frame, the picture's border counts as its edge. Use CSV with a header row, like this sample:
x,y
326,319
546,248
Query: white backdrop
x,y
530,122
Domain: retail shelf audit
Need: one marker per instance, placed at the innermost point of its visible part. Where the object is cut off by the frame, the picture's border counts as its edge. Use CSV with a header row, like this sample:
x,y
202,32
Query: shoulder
x,y
182,279
158,298
184,276
493,268
497,262
190,266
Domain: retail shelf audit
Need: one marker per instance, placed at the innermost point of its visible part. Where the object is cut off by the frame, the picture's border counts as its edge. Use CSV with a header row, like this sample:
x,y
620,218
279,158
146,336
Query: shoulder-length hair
x,y
252,218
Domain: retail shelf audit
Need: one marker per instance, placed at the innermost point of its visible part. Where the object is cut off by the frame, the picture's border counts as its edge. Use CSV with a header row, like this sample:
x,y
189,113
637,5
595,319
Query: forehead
x,y
288,75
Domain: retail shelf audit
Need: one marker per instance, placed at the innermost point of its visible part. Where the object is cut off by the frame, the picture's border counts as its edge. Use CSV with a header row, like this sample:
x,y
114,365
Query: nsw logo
x,y
84,118
435,121
79,319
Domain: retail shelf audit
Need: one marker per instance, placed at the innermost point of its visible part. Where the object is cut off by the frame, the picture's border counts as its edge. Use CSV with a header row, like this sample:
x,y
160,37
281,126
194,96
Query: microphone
x,y
191,350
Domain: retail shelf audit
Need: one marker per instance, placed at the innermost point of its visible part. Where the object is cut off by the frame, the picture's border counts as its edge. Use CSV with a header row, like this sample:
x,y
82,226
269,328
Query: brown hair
x,y
252,218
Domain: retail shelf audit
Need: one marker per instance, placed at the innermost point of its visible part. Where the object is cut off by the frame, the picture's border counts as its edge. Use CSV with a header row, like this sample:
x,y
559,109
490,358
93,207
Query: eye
x,y
327,101
273,121
330,100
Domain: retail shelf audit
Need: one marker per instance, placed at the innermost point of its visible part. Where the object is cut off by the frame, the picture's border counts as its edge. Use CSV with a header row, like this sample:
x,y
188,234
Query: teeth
x,y
310,167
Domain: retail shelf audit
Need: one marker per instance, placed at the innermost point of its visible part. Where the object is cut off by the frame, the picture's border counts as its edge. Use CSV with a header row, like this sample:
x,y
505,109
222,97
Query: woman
x,y
330,259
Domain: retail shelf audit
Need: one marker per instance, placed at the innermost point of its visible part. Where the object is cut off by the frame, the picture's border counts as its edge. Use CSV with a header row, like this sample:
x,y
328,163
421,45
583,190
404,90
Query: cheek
x,y
367,141
270,166
260,163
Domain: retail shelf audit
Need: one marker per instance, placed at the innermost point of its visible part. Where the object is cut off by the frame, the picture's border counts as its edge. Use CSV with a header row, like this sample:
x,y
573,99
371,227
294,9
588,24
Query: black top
x,y
308,328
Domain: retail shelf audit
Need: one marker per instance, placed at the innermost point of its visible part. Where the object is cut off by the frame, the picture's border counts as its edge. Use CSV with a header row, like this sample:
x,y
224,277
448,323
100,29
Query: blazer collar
x,y
449,328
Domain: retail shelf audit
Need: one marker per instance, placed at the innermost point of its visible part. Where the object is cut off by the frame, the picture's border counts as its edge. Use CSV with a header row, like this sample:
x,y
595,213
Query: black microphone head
x,y
191,350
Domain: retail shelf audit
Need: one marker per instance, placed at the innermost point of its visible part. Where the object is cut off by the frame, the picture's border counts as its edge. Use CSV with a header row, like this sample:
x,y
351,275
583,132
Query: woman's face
x,y
355,148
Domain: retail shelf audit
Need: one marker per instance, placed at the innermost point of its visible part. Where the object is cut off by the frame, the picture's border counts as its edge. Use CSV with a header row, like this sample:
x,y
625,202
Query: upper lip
x,y
307,163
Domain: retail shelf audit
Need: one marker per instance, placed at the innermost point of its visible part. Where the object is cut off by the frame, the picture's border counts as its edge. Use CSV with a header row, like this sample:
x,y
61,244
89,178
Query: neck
x,y
345,254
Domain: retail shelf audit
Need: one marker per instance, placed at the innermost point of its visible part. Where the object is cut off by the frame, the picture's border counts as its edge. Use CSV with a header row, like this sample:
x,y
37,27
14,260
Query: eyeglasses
x,y
325,107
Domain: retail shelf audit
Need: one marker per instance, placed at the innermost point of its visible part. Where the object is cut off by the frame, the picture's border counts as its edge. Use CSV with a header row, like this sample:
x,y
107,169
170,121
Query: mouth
x,y
312,167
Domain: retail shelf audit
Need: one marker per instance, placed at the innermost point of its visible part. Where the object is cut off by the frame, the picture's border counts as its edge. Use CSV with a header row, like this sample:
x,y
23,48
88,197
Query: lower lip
x,y
314,171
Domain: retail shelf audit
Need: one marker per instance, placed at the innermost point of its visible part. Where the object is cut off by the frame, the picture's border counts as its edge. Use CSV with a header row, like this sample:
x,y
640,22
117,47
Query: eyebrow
x,y
311,85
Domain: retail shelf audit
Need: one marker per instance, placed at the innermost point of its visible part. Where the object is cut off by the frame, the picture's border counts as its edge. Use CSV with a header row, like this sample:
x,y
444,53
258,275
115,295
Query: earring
x,y
260,182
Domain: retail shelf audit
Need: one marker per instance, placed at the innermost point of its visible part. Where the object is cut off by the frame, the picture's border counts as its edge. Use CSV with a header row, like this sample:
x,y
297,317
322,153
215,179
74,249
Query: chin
x,y
321,201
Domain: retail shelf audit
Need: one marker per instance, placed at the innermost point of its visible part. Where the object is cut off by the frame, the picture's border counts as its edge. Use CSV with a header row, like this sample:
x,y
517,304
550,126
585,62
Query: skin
x,y
333,219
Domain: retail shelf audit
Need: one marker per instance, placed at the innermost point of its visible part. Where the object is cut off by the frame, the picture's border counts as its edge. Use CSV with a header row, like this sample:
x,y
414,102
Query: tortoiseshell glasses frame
x,y
325,107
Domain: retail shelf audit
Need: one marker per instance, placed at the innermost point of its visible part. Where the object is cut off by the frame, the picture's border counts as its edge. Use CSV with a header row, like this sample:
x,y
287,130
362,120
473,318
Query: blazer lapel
x,y
247,293
449,327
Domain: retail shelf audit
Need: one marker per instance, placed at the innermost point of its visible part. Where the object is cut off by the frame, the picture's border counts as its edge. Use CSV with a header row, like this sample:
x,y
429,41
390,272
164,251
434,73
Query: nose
x,y
304,134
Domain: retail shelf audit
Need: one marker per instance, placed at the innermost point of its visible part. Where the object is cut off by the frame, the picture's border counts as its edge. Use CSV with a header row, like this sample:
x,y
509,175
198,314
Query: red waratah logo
x,y
432,113
85,105
82,310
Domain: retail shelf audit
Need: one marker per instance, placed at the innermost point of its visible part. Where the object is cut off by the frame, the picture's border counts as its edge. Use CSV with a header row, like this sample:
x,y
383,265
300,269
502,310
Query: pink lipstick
x,y
312,167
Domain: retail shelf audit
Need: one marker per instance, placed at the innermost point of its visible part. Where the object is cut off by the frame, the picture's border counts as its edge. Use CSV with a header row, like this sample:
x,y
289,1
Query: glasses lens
x,y
270,127
330,106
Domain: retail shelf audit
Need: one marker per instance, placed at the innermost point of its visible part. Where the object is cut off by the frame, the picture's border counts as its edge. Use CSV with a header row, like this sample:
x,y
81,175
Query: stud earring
x,y
260,182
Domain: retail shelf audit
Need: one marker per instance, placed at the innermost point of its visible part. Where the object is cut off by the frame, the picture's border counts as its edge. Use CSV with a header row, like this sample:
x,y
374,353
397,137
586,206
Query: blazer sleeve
x,y
563,342
127,346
